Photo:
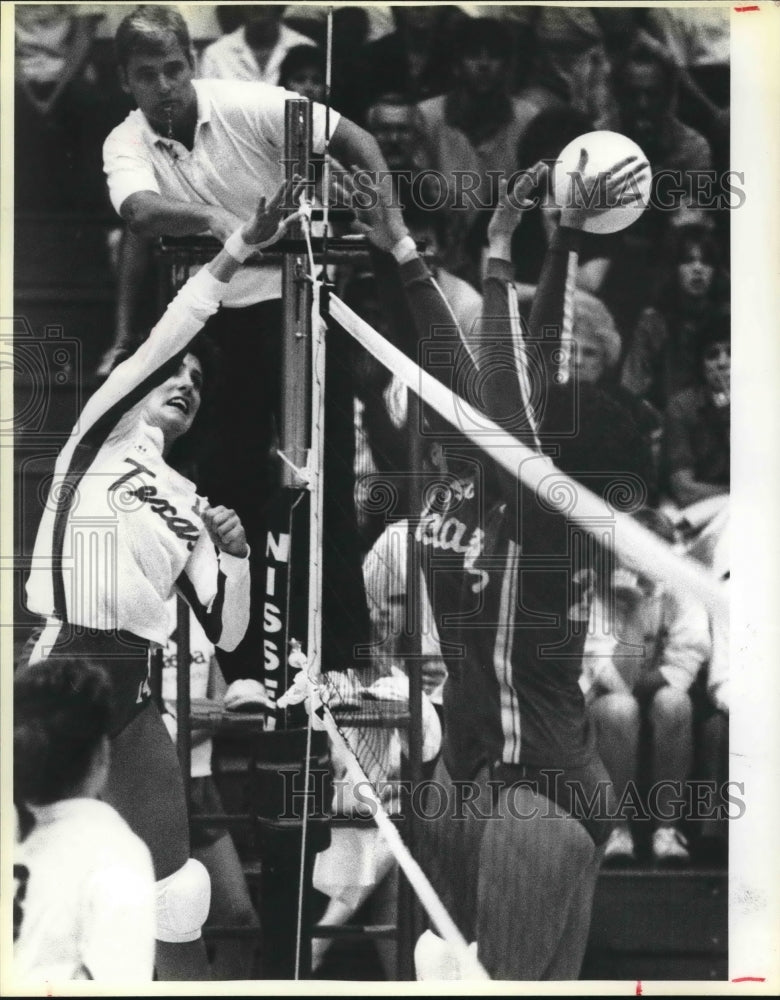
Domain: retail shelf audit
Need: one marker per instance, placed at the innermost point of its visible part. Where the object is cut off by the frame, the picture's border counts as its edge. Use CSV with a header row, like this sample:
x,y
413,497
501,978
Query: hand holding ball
x,y
604,179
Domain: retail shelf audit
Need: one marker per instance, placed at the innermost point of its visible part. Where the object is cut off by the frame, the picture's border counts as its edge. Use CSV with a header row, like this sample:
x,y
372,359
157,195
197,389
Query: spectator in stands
x,y
595,341
645,88
691,295
60,108
480,104
698,463
697,43
697,439
646,92
425,162
392,619
415,56
571,58
353,28
712,842
351,25
255,50
647,649
229,16
596,350
303,70
409,145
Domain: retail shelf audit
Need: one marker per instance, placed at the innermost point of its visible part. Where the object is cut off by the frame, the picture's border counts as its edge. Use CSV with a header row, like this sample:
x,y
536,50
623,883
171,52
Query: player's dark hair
x,y
62,709
147,30
200,439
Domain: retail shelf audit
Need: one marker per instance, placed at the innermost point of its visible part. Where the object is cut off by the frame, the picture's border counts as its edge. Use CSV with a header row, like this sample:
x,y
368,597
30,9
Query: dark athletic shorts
x,y
125,658
144,781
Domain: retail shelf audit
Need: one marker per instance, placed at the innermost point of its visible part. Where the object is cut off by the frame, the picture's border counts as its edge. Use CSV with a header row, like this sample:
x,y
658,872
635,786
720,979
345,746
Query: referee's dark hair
x,y
147,29
62,710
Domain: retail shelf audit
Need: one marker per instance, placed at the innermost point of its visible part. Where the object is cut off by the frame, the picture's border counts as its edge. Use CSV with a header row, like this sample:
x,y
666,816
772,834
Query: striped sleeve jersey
x,y
509,580
121,530
512,619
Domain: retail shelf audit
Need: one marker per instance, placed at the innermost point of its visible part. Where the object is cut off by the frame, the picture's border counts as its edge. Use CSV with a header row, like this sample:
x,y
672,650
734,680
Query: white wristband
x,y
238,248
405,249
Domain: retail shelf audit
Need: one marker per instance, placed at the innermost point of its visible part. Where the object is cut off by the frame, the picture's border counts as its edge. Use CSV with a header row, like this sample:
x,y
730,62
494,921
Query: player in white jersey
x,y
84,882
122,530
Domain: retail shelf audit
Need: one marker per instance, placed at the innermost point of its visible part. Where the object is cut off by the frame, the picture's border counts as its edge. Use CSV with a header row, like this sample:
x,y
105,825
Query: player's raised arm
x,y
198,299
553,303
381,222
501,353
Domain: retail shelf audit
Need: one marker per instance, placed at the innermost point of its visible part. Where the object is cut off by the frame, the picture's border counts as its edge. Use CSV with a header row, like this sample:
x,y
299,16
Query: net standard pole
x,y
295,429
296,302
295,443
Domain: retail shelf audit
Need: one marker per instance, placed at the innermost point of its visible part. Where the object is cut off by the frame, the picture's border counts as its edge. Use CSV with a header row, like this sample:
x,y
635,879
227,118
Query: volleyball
x,y
604,150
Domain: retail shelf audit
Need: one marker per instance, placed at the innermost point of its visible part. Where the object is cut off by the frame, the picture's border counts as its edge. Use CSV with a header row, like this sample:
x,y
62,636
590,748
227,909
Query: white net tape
x,y
633,543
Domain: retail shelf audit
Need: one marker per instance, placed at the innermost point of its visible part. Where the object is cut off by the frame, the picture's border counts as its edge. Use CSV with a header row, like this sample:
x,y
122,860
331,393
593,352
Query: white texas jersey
x,y
121,530
84,898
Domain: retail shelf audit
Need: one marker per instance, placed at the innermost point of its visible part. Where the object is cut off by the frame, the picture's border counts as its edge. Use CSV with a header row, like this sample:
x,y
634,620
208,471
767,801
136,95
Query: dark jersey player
x,y
513,850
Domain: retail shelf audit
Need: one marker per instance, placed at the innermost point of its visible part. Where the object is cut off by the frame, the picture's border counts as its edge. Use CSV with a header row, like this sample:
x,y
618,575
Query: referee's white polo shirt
x,y
236,158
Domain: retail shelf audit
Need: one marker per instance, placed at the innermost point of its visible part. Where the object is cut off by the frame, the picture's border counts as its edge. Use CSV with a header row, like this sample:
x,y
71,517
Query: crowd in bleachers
x,y
464,90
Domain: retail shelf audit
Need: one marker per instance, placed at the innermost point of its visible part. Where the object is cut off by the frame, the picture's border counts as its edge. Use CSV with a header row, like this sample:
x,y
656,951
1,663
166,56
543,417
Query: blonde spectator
x,y
642,658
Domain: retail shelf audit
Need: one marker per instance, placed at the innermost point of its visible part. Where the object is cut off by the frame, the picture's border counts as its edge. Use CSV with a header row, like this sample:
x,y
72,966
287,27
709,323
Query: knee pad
x,y
182,903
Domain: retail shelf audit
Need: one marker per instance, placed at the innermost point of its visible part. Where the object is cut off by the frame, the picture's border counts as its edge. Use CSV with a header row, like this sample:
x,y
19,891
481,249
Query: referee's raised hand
x,y
226,530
